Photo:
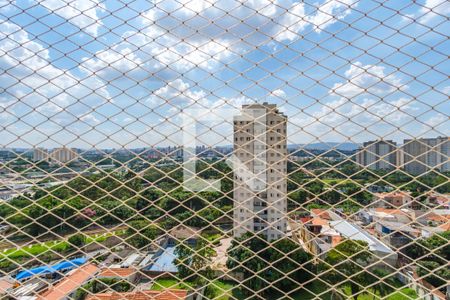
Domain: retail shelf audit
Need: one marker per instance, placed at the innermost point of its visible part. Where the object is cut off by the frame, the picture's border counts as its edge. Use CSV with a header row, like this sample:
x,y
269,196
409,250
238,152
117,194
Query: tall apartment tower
x,y
63,155
421,155
40,154
378,155
260,162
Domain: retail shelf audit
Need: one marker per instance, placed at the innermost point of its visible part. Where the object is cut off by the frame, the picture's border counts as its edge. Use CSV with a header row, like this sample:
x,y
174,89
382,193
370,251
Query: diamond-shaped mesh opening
x,y
224,149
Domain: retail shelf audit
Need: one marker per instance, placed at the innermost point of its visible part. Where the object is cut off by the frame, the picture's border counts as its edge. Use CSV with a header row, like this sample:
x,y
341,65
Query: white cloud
x,y
32,81
366,79
358,106
177,93
90,119
177,37
81,13
432,9
142,54
291,23
279,93
330,12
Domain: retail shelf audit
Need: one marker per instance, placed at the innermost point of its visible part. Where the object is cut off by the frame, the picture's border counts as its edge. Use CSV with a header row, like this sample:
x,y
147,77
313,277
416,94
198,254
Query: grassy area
x,y
223,290
312,290
334,181
34,250
213,238
172,283
39,249
402,294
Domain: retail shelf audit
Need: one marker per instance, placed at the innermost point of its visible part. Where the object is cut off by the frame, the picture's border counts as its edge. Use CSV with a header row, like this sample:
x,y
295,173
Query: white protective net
x,y
224,149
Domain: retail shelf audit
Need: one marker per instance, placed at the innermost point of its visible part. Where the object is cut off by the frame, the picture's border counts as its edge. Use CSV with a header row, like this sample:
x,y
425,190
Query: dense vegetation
x,y
432,256
110,198
268,267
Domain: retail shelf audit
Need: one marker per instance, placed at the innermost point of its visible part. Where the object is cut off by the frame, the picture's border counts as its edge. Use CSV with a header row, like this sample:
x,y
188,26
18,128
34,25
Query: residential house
x,y
396,234
65,288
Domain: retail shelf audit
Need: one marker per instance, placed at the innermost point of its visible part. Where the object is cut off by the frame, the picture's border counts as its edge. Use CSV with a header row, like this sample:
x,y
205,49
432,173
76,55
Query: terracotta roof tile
x,y
5,285
170,294
322,213
445,226
391,211
319,221
117,272
70,283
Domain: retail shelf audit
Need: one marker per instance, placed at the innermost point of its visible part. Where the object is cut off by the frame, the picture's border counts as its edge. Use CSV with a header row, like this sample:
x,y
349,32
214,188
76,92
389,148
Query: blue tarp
x,y
65,265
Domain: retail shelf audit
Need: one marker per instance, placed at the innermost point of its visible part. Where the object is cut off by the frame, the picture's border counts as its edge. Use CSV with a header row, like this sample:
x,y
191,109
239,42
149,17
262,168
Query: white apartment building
x,y
63,155
260,186
378,155
421,155
40,154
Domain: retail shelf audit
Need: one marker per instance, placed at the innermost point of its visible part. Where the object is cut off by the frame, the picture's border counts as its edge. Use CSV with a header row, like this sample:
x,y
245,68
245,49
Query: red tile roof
x,y
445,226
391,211
319,221
117,272
5,285
169,294
70,283
322,213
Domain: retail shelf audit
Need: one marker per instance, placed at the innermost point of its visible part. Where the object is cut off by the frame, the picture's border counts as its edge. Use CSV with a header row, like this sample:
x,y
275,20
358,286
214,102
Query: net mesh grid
x,y
109,193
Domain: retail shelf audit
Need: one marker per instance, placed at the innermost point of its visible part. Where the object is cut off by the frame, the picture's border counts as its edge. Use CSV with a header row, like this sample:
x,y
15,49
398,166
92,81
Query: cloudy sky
x,y
91,73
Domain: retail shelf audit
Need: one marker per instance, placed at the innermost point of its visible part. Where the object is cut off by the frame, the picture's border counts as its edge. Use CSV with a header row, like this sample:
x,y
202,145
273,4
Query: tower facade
x,y
421,155
40,154
63,155
260,170
378,155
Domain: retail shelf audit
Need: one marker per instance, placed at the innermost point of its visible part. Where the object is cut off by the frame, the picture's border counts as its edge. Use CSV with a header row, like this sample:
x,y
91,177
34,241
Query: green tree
x,y
141,233
193,263
435,273
77,240
346,266
282,263
384,282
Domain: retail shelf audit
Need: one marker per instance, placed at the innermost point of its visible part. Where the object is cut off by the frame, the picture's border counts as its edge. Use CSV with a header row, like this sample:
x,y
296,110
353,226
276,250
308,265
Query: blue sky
x,y
90,73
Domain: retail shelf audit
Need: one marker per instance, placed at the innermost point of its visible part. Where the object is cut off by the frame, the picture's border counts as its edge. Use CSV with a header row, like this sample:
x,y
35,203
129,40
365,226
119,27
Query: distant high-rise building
x,y
378,155
260,187
40,154
422,155
63,155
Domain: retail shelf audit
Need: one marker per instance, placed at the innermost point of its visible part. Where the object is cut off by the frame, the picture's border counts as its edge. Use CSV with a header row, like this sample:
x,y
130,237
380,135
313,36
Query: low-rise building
x,y
128,274
183,233
371,215
6,286
437,200
397,199
29,288
396,234
433,217
65,288
324,230
429,231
